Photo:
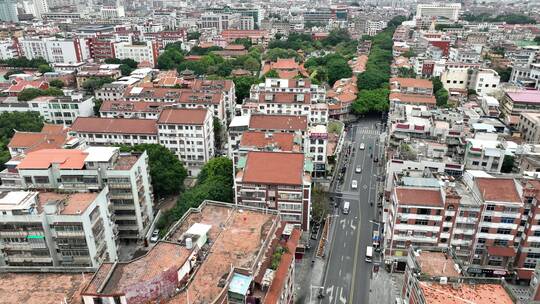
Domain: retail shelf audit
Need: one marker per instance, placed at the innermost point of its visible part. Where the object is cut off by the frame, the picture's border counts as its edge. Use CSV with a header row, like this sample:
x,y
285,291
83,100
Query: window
x,y
500,243
487,218
533,255
507,220
536,233
490,207
421,222
404,210
423,211
504,231
481,241
484,229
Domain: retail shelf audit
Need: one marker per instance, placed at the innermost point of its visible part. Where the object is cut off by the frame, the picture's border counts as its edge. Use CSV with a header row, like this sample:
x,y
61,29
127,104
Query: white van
x,y
362,146
354,184
346,207
369,254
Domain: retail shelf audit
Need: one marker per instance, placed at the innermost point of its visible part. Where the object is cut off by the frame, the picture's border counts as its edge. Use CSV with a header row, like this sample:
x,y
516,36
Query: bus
x,y
369,254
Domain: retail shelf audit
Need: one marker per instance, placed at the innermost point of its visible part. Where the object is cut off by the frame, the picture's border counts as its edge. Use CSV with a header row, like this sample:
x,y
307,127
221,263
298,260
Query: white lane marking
x,y
330,290
353,227
342,299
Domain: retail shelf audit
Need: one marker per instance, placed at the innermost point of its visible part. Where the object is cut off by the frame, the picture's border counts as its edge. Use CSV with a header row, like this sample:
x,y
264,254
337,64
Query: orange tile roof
x,y
278,122
278,284
43,159
114,125
183,116
274,168
285,64
498,189
413,98
413,82
421,197
464,294
284,141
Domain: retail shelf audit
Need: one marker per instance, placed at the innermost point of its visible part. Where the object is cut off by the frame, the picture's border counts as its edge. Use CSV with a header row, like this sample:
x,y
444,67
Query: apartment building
x,y
54,50
301,85
484,152
317,149
188,133
48,229
439,10
235,267
529,127
140,52
63,110
132,109
276,180
296,125
51,136
125,175
514,103
111,91
411,86
287,103
115,131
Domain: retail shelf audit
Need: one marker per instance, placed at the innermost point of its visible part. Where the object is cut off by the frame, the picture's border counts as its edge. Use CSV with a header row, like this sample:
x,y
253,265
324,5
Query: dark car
x,y
376,160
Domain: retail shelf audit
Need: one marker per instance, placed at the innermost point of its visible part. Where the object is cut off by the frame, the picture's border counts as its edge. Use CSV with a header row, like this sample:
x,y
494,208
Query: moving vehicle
x,y
358,169
362,146
376,160
155,236
354,184
346,207
369,254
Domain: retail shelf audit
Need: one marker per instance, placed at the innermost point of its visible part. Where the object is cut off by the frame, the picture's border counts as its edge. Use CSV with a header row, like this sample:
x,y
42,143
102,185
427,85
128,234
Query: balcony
x,y
123,207
19,234
28,259
119,185
121,196
68,234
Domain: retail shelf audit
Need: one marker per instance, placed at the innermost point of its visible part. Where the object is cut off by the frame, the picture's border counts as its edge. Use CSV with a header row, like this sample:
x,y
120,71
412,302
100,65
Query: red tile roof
x,y
279,168
183,116
413,82
498,189
283,141
278,122
114,125
413,98
280,276
422,197
501,251
24,84
43,159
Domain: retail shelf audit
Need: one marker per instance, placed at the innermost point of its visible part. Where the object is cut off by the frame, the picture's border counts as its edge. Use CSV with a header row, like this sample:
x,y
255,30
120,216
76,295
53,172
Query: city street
x,y
347,277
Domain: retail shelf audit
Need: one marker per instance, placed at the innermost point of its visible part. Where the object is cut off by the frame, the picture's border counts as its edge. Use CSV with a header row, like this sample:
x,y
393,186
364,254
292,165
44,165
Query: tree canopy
x,y
20,121
167,171
242,86
375,100
95,83
331,68
57,83
31,93
214,182
23,62
510,18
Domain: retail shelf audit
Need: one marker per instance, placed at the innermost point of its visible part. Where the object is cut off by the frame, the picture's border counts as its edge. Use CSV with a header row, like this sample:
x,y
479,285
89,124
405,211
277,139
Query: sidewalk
x,y
385,287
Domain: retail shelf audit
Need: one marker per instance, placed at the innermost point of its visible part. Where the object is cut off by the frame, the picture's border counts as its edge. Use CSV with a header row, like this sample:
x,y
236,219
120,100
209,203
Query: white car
x,y
358,169
155,236
354,184
362,146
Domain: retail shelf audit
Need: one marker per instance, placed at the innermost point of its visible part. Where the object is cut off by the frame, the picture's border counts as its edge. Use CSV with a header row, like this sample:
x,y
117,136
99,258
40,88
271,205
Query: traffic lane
x,y
339,271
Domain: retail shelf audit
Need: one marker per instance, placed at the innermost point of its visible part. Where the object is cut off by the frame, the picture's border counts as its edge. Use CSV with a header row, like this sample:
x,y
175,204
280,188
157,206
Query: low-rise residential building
x,y
125,175
411,86
51,136
115,131
189,134
484,152
48,229
276,180
233,246
132,109
529,127
140,52
514,103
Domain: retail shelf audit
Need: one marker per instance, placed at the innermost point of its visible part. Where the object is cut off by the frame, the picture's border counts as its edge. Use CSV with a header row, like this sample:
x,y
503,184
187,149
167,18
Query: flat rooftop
x,y
237,236
41,288
74,203
436,264
464,293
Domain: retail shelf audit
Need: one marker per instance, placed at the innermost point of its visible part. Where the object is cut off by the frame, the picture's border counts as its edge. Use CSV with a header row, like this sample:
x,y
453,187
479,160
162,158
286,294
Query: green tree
x,y
252,64
29,94
508,164
97,106
246,42
371,101
437,84
125,69
410,53
218,166
397,21
52,91
57,83
95,83
170,59
537,40
167,171
44,68
372,79
13,72
193,35
274,54
504,73
442,97
271,74
20,121
319,203
406,72
337,68
337,36
242,86
218,133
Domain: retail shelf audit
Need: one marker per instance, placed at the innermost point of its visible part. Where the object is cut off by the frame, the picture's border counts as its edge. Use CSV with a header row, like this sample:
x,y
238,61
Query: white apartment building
x,y
95,168
7,49
438,10
111,12
275,85
484,152
188,133
36,7
140,52
63,109
483,81
54,50
317,147
373,27
56,229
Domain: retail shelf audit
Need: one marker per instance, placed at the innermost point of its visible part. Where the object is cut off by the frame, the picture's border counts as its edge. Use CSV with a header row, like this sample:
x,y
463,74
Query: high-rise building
x,y
8,11
438,10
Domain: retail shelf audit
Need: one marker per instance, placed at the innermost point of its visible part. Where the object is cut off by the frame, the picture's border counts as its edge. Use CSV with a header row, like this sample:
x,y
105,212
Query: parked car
x,y
155,236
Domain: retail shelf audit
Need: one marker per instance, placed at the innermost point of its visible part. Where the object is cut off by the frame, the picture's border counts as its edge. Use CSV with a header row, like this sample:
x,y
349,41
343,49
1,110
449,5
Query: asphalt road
x,y
348,275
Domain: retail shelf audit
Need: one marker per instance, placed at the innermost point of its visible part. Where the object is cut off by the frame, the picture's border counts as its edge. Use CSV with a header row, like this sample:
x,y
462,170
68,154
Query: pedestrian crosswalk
x,y
367,131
